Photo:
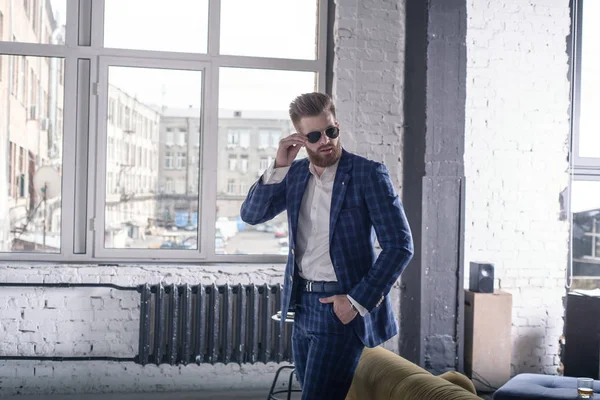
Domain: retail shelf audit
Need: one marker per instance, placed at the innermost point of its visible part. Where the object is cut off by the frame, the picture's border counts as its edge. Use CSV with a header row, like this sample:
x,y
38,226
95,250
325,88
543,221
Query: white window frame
x,y
580,168
231,186
233,138
243,165
274,138
181,160
264,163
85,112
169,160
103,70
581,165
264,138
232,161
181,138
244,138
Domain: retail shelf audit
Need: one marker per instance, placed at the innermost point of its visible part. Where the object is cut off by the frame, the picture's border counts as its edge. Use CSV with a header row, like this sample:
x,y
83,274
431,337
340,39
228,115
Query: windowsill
x,y
216,266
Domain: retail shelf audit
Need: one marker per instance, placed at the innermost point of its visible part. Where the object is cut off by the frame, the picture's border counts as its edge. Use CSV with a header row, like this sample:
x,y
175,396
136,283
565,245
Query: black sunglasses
x,y
331,132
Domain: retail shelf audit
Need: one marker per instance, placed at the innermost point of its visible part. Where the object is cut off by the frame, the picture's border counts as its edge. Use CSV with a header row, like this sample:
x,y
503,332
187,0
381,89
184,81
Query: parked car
x,y
281,233
266,227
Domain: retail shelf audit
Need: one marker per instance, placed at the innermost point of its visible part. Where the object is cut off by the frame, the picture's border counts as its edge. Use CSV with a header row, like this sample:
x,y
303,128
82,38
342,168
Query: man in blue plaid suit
x,y
334,281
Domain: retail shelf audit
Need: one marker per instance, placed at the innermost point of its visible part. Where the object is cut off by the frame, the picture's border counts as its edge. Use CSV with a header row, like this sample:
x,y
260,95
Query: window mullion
x,y
209,160
214,27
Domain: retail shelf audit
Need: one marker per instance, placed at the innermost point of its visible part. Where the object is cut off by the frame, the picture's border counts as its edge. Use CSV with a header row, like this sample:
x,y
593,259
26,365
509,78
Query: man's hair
x,y
310,105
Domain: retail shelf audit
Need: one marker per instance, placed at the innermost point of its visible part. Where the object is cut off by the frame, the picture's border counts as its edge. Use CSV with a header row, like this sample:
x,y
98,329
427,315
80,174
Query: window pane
x,y
31,131
33,21
152,173
269,28
589,122
253,112
585,207
175,25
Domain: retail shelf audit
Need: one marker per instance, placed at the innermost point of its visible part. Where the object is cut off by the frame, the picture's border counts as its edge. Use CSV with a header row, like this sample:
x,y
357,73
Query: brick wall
x,y
369,79
368,75
105,322
517,127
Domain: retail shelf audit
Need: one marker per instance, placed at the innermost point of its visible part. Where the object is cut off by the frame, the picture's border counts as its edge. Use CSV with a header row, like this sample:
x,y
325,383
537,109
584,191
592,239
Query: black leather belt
x,y
319,287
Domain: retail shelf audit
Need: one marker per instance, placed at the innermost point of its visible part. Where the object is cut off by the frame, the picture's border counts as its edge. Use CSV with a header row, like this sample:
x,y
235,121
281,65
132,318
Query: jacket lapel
x,y
295,195
340,184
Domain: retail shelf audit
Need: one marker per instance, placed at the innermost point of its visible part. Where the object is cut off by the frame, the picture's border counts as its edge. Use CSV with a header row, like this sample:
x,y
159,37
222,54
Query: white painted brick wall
x,y
105,322
517,127
368,81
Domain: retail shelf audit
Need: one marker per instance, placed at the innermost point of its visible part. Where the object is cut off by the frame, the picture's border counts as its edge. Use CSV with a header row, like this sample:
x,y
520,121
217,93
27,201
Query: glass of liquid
x,y
585,388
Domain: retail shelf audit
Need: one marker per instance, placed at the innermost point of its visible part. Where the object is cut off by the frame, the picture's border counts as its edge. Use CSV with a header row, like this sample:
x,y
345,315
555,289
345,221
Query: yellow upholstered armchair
x,y
383,375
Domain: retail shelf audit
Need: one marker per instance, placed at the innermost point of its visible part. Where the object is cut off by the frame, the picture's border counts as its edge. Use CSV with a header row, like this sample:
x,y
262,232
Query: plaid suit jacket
x,y
364,205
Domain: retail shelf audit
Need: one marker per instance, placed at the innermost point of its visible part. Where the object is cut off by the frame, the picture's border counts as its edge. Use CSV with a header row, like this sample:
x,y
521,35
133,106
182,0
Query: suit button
x,y
292,251
291,277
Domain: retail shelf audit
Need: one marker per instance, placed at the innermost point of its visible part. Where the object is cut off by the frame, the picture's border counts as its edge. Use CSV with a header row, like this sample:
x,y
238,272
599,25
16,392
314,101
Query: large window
x,y
584,195
133,130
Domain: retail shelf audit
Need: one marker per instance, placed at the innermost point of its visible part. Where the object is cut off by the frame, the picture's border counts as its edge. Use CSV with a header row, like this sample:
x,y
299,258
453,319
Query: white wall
x,y
517,127
104,322
369,79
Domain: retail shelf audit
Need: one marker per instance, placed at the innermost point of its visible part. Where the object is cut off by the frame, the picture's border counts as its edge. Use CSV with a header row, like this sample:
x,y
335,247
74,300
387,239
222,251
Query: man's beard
x,y
325,160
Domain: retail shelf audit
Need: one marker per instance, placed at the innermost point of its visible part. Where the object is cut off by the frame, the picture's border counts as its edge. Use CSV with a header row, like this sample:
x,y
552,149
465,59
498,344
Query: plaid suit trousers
x,y
326,352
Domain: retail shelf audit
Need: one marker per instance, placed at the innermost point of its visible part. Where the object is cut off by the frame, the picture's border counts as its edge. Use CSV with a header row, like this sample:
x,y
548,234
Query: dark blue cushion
x,y
540,387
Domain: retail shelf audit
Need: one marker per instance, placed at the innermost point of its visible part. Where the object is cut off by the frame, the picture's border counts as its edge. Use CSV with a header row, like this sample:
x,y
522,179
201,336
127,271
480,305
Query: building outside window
x,y
233,138
244,164
169,163
232,162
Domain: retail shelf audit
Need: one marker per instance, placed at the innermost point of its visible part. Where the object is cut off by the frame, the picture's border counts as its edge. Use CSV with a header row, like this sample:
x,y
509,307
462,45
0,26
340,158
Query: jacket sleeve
x,y
393,233
264,202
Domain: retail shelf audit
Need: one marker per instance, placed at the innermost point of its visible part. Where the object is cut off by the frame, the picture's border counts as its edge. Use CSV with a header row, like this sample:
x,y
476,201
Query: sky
x,y
260,28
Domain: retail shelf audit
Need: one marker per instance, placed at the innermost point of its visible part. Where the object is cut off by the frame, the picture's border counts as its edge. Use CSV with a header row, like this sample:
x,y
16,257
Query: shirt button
x,y
292,251
291,277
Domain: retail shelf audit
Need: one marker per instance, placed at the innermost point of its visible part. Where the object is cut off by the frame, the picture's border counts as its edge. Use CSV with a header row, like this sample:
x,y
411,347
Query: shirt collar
x,y
328,174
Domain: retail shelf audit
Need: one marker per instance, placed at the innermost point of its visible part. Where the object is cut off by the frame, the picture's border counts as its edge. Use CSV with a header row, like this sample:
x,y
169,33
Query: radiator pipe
x,y
56,358
70,285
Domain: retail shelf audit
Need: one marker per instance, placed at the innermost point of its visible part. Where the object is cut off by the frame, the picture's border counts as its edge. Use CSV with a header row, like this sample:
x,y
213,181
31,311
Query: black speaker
x,y
481,278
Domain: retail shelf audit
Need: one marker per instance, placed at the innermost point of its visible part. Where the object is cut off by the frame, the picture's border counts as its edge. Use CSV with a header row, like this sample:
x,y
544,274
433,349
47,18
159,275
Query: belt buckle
x,y
309,286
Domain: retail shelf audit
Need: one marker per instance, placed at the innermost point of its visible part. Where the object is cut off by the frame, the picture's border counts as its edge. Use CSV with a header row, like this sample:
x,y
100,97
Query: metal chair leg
x,y
289,397
272,391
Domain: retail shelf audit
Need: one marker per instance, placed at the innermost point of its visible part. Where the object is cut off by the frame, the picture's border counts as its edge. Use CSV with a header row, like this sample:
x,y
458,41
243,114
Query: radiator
x,y
183,324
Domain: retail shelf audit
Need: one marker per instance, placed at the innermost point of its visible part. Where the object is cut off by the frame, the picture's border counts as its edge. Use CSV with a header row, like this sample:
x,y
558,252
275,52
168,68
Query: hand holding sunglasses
x,y
288,149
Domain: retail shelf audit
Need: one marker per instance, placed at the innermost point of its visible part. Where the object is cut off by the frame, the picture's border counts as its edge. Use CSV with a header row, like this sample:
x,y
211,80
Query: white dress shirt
x,y
312,238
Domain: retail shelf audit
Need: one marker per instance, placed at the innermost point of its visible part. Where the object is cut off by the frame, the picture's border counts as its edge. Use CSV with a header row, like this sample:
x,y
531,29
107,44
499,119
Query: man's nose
x,y
324,138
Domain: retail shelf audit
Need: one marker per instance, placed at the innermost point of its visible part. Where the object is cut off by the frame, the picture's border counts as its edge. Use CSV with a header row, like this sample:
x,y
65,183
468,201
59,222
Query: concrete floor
x,y
245,395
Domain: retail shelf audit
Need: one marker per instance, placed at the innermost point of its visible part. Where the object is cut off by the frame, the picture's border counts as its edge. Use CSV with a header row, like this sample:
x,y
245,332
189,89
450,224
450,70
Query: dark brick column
x,y
432,286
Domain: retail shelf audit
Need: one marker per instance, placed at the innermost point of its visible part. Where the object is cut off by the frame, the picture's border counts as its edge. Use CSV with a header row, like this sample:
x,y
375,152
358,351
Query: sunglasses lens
x,y
332,132
313,137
